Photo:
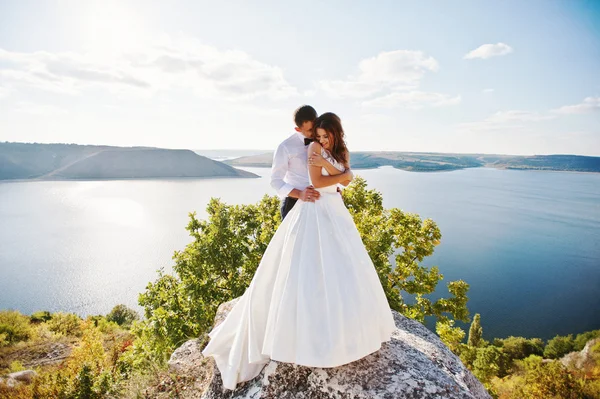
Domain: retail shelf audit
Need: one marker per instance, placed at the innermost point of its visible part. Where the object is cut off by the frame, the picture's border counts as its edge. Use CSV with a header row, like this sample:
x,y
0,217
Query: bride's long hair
x,y
332,124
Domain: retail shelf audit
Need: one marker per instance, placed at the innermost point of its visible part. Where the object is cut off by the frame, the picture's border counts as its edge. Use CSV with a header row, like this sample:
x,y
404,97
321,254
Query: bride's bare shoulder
x,y
315,146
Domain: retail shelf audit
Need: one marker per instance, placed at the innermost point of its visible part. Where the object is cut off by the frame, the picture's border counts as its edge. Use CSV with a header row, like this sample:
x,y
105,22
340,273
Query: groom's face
x,y
307,129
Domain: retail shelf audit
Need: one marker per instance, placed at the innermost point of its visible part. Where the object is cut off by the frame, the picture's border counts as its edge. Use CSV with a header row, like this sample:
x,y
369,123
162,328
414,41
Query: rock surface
x,y
580,360
414,364
25,375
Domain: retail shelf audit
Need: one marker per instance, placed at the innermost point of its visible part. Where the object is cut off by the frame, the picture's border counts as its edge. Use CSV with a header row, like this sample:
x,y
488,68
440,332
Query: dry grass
x,y
163,384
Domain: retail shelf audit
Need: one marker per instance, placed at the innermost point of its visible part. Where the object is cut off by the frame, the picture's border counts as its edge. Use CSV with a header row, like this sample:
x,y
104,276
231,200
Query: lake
x,y
527,242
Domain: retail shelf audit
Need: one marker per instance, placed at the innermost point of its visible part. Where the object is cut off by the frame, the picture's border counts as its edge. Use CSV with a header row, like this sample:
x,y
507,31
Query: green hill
x,y
431,162
71,161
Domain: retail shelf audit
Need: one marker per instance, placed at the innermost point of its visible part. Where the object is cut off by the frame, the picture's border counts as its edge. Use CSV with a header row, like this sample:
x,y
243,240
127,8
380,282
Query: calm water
x,y
528,243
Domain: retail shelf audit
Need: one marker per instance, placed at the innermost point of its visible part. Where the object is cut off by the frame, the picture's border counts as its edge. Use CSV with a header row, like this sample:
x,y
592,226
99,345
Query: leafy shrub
x,y
516,348
15,366
40,316
450,335
65,324
559,346
87,372
122,315
536,378
14,327
583,338
4,340
220,262
105,326
489,362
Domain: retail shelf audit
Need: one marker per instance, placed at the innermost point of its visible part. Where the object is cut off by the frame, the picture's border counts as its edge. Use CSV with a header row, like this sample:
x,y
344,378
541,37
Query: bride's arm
x,y
347,181
317,159
318,180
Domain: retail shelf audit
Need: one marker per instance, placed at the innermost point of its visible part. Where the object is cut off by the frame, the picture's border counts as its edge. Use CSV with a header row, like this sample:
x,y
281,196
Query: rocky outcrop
x,y
12,379
24,375
583,359
414,364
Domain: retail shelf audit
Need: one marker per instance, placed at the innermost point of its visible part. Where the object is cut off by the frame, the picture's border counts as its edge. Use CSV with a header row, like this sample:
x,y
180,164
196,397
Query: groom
x,y
289,173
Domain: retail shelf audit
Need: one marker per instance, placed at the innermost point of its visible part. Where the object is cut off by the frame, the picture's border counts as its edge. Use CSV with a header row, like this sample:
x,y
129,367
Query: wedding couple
x,y
315,299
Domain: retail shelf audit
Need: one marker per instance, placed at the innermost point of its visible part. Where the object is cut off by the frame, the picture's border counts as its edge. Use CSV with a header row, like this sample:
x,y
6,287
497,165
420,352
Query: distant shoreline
x,y
126,179
439,162
442,170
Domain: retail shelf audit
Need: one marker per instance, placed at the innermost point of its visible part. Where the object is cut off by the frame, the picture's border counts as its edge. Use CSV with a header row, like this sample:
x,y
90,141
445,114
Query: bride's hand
x,y
348,172
316,160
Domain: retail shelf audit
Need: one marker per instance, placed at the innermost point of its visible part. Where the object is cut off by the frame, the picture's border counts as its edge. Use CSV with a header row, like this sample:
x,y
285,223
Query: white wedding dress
x,y
315,299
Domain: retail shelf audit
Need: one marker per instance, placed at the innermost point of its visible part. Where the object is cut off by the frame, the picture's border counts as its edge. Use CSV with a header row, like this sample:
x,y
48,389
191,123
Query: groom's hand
x,y
309,194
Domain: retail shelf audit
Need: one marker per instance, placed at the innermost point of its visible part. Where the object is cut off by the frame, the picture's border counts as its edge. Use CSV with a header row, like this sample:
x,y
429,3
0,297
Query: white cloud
x,y
27,107
588,105
67,73
487,91
182,63
503,120
516,115
4,92
413,100
486,51
391,70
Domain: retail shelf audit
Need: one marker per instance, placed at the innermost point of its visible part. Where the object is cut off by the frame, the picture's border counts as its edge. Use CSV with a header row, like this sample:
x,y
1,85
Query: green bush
x,y
547,380
14,327
489,362
475,332
220,262
4,340
15,366
65,324
122,315
450,335
468,354
559,346
107,327
40,316
516,348
397,243
87,373
535,378
583,338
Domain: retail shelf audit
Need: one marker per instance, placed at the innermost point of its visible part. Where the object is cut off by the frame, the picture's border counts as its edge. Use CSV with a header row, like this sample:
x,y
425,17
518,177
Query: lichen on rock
x,y
413,364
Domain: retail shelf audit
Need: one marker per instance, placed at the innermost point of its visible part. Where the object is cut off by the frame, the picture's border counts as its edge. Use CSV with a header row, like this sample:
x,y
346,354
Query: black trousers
x,y
287,205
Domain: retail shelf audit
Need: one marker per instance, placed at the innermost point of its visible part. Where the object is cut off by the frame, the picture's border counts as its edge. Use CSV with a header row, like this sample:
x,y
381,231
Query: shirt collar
x,y
300,136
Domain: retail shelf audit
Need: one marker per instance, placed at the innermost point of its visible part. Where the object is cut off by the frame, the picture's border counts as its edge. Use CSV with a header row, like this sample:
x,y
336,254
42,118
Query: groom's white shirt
x,y
290,168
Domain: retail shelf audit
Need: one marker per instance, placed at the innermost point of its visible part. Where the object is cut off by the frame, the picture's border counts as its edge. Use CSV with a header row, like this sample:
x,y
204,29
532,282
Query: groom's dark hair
x,y
305,113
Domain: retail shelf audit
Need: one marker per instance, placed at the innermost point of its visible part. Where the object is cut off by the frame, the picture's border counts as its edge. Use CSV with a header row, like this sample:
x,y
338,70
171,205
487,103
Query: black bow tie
x,y
308,141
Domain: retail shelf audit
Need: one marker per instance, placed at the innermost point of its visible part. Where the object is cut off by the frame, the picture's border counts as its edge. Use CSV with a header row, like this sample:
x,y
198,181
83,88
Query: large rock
x,y
414,364
13,379
583,359
24,376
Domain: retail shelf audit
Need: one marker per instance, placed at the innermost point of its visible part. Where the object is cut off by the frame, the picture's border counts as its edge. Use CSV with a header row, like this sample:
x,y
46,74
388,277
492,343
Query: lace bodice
x,y
332,161
336,164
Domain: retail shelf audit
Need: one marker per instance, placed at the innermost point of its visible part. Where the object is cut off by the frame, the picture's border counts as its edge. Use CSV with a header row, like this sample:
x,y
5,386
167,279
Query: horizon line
x,y
265,151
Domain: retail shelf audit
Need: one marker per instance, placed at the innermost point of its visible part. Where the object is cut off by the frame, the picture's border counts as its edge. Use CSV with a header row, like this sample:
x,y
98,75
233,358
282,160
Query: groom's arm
x,y
278,172
347,166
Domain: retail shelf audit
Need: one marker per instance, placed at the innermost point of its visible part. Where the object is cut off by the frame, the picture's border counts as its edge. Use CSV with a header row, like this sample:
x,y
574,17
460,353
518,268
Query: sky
x,y
510,77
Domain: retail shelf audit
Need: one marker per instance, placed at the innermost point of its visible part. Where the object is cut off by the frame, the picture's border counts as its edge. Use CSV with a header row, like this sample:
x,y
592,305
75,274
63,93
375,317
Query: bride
x,y
315,299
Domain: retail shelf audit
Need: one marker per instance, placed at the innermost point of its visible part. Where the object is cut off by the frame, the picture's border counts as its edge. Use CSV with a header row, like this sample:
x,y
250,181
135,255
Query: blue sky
x,y
512,77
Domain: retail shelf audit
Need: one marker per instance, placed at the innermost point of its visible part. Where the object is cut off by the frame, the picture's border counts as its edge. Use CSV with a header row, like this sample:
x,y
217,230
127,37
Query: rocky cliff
x,y
414,364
